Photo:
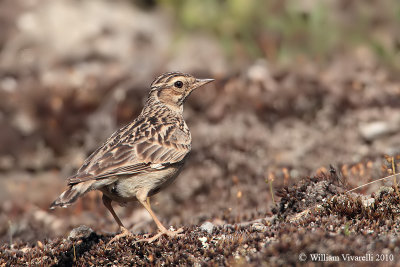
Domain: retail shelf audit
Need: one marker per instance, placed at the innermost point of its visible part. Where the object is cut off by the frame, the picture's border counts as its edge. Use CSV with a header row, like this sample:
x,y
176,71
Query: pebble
x,y
207,227
368,202
80,232
203,241
259,227
374,130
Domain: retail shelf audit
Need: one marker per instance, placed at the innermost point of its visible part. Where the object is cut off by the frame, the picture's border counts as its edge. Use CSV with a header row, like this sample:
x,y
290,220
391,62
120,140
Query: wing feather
x,y
136,153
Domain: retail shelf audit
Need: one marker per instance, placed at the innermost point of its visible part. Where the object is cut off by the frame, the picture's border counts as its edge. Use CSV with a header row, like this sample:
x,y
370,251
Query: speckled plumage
x,y
144,156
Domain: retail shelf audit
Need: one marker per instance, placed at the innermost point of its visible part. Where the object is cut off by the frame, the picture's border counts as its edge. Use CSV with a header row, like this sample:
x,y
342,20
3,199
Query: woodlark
x,y
143,157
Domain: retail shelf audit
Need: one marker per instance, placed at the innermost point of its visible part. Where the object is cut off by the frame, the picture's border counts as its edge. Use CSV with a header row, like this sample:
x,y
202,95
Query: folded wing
x,y
133,156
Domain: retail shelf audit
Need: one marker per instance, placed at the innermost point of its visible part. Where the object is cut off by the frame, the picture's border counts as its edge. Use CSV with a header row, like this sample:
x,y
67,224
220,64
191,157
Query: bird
x,y
143,157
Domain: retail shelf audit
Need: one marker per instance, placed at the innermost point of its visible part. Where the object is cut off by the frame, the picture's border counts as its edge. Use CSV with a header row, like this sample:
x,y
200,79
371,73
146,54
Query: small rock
x,y
80,232
384,190
25,250
203,241
207,227
374,130
259,227
25,123
368,202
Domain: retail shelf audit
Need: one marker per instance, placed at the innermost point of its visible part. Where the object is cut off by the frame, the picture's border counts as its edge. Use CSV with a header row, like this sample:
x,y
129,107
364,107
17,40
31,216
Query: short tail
x,y
70,195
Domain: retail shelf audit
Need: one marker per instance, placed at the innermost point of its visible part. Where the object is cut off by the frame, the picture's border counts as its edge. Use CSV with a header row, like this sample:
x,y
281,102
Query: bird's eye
x,y
178,84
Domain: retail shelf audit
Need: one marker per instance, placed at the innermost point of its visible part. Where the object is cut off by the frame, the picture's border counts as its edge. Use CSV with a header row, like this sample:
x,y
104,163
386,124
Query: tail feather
x,y
70,195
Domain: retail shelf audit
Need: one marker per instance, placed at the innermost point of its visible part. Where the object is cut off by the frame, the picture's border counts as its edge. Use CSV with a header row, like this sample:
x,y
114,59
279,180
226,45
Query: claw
x,y
157,236
124,233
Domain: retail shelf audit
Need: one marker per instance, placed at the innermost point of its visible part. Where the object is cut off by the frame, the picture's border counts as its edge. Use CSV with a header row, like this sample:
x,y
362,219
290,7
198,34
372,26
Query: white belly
x,y
125,189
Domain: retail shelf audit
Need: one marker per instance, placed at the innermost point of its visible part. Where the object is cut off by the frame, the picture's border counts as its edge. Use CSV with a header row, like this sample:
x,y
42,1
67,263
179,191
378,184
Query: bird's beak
x,y
201,82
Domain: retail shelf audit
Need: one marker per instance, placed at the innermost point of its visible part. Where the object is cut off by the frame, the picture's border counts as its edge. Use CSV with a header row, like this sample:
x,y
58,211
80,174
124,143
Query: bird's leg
x,y
148,202
124,232
163,230
107,203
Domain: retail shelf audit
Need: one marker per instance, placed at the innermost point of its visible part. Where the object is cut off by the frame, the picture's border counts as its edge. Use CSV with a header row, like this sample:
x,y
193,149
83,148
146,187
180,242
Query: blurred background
x,y
300,86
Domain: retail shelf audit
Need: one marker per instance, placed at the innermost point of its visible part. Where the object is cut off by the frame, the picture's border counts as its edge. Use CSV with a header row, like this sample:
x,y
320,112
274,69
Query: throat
x,y
154,103
174,108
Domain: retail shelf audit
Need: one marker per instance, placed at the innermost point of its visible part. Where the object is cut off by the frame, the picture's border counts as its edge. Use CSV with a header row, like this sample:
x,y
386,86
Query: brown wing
x,y
144,151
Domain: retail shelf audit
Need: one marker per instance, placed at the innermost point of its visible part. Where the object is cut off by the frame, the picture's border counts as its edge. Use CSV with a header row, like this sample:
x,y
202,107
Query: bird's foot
x,y
165,232
124,233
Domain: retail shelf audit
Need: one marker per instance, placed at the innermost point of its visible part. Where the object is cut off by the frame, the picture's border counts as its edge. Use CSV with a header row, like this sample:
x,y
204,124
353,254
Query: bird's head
x,y
173,88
